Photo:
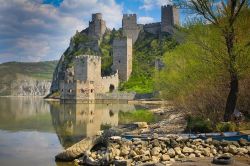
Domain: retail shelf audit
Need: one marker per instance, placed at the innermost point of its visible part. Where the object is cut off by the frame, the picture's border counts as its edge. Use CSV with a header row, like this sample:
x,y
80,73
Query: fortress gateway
x,y
84,82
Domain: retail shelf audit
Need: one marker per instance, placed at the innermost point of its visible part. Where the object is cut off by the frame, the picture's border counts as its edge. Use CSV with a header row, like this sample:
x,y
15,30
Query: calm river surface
x,y
33,131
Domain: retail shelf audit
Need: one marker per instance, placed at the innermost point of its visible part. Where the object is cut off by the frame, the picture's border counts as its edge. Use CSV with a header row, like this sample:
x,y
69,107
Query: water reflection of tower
x,y
73,122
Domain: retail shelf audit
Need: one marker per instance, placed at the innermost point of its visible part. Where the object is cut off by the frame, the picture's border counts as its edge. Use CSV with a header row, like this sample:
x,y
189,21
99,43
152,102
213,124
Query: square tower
x,y
122,57
87,68
130,28
169,18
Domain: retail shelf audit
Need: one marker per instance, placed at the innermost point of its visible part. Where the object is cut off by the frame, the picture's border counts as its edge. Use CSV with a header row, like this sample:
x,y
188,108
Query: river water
x,y
33,131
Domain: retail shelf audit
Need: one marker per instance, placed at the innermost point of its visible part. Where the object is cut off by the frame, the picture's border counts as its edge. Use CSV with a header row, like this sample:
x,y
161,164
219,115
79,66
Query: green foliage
x,y
196,75
136,116
226,126
80,38
146,50
198,125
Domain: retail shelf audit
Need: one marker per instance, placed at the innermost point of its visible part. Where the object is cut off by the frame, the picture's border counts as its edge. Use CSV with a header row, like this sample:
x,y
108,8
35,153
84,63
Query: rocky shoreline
x,y
151,144
160,150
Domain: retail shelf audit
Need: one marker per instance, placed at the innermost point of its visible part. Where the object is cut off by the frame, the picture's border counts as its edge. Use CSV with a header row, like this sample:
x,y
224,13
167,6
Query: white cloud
x,y
32,31
145,20
151,4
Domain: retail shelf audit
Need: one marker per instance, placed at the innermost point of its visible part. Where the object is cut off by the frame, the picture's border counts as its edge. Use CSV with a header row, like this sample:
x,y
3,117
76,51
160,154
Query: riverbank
x,y
147,144
168,150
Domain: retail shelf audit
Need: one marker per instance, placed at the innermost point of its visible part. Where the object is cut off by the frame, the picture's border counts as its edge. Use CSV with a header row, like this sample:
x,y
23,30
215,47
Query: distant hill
x,y
13,71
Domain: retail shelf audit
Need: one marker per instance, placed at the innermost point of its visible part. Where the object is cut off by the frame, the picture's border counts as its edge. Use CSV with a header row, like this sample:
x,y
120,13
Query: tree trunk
x,y
234,82
232,98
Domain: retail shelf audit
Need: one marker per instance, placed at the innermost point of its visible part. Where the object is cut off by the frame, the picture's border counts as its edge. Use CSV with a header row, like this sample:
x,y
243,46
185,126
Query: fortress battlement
x,y
88,57
96,16
166,6
129,15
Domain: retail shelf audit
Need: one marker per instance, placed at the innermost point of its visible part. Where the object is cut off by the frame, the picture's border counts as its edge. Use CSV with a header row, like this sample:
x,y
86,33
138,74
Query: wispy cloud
x,y
151,4
33,31
145,20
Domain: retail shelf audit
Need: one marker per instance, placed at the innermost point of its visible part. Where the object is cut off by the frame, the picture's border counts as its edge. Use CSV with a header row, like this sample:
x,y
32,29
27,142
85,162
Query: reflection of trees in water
x,y
73,122
24,113
22,107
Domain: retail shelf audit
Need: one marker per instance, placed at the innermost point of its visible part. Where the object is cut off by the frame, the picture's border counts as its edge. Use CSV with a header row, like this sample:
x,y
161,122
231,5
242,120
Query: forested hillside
x,y
13,71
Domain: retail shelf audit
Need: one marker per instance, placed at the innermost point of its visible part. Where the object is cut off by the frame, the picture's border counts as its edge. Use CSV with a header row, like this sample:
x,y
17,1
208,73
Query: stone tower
x,y
130,28
87,68
169,18
122,57
97,26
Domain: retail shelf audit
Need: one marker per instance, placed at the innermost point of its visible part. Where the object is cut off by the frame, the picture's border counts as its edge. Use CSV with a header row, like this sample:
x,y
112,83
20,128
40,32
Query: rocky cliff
x,y
37,75
30,88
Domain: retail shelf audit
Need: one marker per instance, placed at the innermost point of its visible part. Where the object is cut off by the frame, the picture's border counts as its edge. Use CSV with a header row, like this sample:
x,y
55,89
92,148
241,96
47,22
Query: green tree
x,y
225,17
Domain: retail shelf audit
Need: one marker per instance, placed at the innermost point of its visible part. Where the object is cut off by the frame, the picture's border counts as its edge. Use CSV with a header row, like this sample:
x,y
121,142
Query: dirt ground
x,y
208,162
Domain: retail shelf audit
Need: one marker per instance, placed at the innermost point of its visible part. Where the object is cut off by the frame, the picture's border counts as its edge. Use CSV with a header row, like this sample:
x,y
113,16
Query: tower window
x,y
119,61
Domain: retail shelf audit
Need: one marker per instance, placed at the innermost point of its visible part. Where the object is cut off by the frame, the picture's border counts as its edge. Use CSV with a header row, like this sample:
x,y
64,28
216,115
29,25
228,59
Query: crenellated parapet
x,y
87,57
130,28
169,18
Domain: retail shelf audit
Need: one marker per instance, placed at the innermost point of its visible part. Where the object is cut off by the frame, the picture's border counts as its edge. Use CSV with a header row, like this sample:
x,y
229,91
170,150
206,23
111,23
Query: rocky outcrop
x,y
30,88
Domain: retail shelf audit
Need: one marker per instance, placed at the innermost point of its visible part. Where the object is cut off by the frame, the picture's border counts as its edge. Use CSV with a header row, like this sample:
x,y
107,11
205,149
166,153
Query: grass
x,y
136,116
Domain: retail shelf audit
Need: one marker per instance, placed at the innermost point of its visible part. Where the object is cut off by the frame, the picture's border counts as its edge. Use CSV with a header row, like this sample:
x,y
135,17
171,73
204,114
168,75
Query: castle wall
x,y
130,28
169,18
83,90
87,67
122,57
109,83
67,89
97,26
154,28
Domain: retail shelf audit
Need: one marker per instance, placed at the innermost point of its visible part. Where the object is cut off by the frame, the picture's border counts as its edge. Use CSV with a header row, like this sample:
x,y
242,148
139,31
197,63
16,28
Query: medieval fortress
x,y
84,82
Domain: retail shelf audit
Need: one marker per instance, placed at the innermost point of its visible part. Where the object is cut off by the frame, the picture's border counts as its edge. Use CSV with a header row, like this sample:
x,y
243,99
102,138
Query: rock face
x,y
30,88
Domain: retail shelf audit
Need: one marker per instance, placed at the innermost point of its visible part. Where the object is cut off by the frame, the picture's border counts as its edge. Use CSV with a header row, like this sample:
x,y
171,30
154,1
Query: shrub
x,y
226,126
198,125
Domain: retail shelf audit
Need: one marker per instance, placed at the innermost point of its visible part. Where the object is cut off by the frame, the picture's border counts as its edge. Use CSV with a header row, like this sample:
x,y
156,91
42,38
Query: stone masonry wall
x,y
154,28
130,28
169,18
97,26
109,83
87,67
122,57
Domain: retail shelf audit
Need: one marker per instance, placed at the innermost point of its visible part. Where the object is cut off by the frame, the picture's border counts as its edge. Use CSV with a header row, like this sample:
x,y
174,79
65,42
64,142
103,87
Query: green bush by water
x,y
198,125
226,126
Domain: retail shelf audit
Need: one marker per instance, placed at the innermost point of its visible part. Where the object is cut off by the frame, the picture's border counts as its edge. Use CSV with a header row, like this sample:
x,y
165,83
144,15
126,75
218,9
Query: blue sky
x,y
39,30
